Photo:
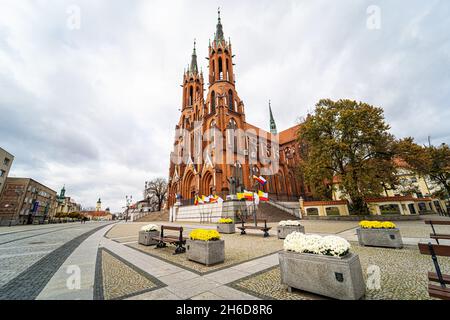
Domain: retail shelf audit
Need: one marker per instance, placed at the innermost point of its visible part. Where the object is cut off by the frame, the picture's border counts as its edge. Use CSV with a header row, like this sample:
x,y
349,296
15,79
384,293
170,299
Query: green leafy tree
x,y
430,161
347,143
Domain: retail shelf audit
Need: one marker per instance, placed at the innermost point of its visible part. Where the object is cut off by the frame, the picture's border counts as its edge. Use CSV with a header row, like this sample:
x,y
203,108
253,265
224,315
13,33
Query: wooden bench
x,y
435,235
264,228
439,290
178,241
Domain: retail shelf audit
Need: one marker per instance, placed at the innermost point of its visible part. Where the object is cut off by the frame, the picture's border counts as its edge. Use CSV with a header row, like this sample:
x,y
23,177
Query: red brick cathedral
x,y
201,164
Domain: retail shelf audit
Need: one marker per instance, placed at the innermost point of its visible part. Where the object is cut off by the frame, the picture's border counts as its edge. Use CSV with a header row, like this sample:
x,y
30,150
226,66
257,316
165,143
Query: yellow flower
x,y
225,220
204,235
377,225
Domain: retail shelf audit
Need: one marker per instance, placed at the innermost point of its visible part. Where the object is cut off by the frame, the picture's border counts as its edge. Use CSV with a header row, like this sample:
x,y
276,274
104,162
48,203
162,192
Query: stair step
x,y
272,213
155,216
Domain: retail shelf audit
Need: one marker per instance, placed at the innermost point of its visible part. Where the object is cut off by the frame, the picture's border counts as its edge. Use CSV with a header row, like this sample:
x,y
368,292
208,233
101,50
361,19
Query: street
x,y
31,255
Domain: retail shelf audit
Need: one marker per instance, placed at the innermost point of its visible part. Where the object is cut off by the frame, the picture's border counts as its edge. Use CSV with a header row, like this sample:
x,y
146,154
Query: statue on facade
x,y
232,182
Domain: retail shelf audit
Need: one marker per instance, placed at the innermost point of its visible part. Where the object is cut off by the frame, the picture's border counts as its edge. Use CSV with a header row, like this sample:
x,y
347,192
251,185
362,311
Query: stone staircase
x,y
155,216
270,213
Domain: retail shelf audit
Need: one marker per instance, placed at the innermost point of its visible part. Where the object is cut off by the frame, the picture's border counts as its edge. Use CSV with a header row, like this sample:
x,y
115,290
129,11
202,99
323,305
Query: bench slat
x,y
168,239
439,250
255,228
438,292
172,228
439,236
438,222
433,277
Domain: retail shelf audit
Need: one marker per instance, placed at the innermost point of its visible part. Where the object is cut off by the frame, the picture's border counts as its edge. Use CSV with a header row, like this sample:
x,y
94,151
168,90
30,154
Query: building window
x,y
213,102
230,100
220,69
191,96
2,172
6,161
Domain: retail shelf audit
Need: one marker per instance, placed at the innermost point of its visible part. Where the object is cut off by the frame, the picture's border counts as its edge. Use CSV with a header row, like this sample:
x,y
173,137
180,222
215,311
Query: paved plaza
x,y
103,261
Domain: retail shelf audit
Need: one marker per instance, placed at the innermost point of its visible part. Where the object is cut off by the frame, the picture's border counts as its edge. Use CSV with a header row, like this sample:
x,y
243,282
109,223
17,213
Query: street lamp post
x,y
19,193
129,200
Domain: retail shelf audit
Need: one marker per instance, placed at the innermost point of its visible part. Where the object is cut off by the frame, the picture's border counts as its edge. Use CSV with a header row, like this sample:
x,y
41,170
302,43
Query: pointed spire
x,y
273,126
219,30
194,67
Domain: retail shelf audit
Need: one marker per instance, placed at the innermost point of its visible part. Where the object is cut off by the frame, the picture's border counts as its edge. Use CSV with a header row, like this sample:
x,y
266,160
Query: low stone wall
x,y
207,213
370,218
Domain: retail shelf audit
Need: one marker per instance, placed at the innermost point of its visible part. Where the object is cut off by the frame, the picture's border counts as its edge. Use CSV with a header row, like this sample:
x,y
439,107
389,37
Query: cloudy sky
x,y
95,107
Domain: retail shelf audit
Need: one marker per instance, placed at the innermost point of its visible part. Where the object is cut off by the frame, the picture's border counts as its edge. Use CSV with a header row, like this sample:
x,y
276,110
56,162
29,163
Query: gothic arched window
x,y
213,102
239,176
220,69
230,100
232,134
212,128
191,95
232,124
228,70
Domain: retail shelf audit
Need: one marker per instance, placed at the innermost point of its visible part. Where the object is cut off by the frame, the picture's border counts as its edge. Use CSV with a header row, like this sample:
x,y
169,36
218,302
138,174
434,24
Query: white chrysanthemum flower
x,y
150,227
329,245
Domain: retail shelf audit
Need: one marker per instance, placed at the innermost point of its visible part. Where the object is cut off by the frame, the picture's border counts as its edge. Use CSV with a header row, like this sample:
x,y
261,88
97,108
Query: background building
x,y
66,205
6,160
26,201
98,215
98,206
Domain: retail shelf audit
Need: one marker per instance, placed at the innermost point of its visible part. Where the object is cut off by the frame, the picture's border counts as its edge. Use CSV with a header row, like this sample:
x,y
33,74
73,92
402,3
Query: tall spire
x,y
273,126
219,29
194,68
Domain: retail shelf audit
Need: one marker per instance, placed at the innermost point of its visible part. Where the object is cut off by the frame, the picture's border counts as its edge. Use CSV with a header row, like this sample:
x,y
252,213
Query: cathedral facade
x,y
216,151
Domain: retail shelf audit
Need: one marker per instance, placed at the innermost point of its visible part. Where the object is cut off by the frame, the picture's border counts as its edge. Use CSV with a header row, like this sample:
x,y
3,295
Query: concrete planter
x,y
226,228
206,252
335,277
145,238
283,231
389,238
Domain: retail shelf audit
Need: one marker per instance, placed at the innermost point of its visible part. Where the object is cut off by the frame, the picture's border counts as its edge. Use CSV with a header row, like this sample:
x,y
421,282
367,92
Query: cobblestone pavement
x,y
120,279
403,276
34,259
29,255
125,232
237,250
184,284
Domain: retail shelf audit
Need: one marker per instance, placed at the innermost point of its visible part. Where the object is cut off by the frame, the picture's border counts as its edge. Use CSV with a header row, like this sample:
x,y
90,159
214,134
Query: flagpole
x,y
254,205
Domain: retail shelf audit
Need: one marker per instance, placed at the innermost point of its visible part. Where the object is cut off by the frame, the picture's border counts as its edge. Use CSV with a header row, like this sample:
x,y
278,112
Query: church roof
x,y
285,136
289,135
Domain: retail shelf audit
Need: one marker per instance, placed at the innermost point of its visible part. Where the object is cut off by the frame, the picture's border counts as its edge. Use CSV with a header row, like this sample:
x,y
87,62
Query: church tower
x,y
99,205
222,91
192,104
225,111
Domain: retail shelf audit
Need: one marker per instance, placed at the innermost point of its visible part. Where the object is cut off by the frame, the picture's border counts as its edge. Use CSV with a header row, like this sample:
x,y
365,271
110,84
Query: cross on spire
x,y
219,29
194,67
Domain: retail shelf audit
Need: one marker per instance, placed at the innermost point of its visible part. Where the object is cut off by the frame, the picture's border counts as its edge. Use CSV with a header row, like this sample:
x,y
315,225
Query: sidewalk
x,y
84,257
184,284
